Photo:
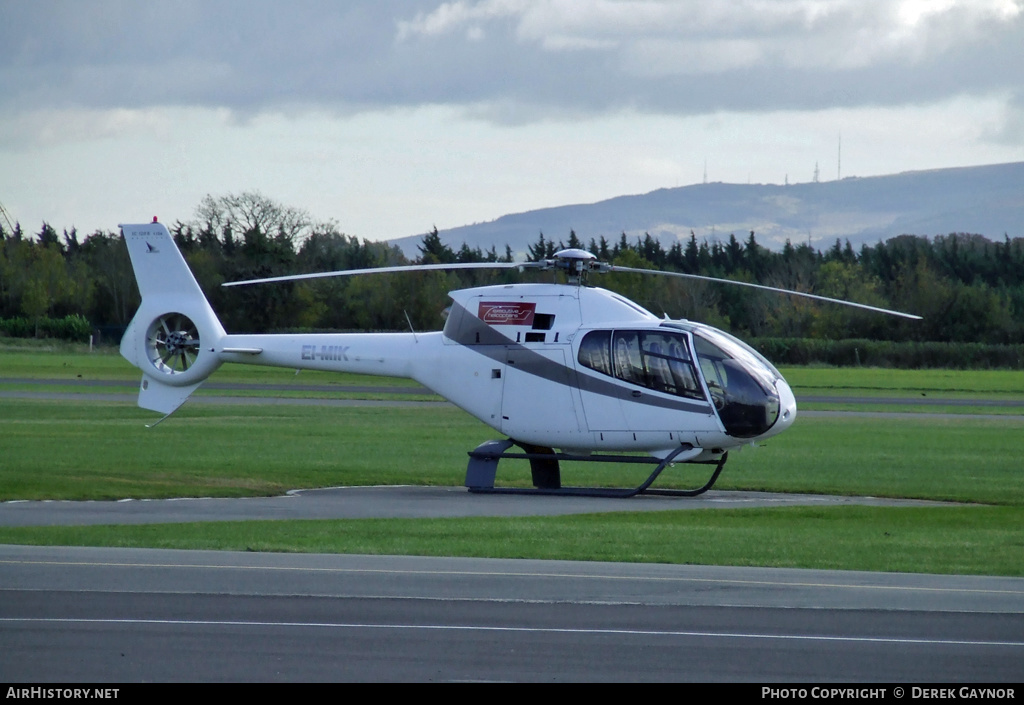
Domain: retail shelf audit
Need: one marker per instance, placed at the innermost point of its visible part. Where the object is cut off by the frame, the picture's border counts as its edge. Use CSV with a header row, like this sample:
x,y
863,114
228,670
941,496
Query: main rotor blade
x,y
617,268
384,270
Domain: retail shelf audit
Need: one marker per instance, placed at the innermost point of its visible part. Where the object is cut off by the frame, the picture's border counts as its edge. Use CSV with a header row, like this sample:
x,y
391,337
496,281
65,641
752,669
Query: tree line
x,y
968,288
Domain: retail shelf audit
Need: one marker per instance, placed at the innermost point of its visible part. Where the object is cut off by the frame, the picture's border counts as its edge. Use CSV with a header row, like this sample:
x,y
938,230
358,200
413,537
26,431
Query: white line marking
x,y
508,574
537,630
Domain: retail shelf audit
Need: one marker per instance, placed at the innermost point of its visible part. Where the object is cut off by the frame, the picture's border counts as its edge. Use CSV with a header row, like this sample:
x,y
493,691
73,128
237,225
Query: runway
x,y
129,615
132,615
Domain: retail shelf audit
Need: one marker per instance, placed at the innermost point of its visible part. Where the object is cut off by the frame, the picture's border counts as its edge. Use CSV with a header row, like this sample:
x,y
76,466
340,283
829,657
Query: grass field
x,y
77,449
953,540
889,382
106,452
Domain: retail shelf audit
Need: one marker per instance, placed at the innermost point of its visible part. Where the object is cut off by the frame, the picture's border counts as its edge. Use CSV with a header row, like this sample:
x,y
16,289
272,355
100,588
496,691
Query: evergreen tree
x,y
692,255
650,249
434,251
733,254
574,242
754,258
48,238
541,250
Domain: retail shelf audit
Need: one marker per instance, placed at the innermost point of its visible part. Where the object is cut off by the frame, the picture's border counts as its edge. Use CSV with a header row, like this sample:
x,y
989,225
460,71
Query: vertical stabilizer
x,y
175,334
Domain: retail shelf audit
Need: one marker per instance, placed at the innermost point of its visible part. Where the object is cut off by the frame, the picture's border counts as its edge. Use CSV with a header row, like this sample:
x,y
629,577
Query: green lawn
x,y
961,540
106,451
890,382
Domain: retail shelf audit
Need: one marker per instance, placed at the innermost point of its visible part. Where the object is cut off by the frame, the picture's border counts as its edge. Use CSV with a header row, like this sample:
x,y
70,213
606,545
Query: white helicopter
x,y
550,366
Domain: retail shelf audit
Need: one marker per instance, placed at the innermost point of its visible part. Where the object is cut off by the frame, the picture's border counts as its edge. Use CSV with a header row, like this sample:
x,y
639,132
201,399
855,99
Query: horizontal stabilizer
x,y
157,396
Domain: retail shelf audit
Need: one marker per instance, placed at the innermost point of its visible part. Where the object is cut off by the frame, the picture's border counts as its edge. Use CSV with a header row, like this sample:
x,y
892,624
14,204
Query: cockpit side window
x,y
658,360
595,351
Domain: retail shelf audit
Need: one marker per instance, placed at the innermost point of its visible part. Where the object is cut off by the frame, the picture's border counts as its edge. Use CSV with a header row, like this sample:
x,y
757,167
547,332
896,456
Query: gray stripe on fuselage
x,y
483,339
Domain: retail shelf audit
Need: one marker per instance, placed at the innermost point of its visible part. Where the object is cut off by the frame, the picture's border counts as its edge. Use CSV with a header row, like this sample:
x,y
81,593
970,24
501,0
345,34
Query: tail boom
x,y
177,341
382,354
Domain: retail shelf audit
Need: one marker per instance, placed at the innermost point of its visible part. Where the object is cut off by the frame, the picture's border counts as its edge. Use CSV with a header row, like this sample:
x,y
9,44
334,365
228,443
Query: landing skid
x,y
483,466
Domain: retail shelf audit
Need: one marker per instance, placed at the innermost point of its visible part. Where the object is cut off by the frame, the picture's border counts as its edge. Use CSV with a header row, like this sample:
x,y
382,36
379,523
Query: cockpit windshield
x,y
741,382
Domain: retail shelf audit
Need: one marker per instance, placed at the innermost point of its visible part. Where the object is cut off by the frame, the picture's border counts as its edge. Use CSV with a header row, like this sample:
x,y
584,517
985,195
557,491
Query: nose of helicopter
x,y
787,409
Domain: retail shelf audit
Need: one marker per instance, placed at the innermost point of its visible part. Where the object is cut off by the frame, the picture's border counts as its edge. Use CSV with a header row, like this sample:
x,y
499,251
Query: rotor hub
x,y
576,263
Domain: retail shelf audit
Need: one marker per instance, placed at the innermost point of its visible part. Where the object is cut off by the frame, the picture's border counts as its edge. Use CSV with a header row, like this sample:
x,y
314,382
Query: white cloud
x,y
456,16
539,57
697,36
49,128
392,115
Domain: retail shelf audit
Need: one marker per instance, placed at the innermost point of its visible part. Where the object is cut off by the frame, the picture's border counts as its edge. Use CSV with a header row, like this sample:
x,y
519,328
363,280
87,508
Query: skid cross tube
x,y
483,464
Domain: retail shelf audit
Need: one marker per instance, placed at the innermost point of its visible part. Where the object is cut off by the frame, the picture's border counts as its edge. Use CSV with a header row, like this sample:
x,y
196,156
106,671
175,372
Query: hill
x,y
988,200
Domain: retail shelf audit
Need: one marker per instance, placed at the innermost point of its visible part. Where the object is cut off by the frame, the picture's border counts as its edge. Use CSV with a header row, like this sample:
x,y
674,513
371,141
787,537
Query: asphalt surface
x,y
390,502
107,615
130,615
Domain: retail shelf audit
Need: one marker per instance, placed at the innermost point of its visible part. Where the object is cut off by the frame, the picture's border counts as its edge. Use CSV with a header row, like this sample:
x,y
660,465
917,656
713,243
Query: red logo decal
x,y
506,314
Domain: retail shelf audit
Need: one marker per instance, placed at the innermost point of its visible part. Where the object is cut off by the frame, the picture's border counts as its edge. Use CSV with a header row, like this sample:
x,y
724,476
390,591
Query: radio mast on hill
x,y
839,159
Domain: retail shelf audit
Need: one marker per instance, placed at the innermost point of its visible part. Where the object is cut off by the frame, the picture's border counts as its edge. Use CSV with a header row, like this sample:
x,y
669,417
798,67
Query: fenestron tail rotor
x,y
172,343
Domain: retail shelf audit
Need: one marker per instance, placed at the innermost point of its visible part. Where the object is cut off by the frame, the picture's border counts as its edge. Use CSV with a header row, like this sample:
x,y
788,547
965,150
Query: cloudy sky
x,y
391,116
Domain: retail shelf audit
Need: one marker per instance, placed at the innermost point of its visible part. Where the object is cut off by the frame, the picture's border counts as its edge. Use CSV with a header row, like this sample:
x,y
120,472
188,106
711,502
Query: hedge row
x,y
887,353
74,327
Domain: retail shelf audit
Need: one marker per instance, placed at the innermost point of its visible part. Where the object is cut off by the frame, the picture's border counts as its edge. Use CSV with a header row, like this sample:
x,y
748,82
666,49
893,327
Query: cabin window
x,y
594,351
543,321
654,359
